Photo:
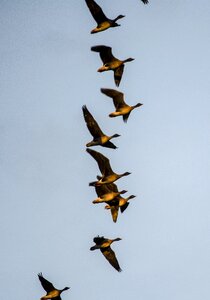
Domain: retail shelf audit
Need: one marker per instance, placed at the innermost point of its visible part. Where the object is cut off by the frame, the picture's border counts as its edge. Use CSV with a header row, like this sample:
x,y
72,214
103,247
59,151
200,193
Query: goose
x,y
52,292
121,108
108,176
110,62
104,245
107,192
99,138
102,21
122,203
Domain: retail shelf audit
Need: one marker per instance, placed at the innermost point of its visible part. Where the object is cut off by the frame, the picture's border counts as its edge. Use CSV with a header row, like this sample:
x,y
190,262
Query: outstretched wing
x,y
105,53
103,161
96,11
47,286
102,189
91,123
123,207
117,97
114,211
118,74
111,257
125,117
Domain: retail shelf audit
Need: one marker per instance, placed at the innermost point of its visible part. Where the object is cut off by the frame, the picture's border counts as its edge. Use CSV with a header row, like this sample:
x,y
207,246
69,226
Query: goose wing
x,y
47,286
96,11
105,53
103,162
118,72
114,212
102,189
125,117
117,97
91,123
123,207
111,257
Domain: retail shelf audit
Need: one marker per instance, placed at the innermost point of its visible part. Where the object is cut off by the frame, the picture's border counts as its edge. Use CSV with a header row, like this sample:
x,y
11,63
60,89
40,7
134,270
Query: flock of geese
x,y
105,187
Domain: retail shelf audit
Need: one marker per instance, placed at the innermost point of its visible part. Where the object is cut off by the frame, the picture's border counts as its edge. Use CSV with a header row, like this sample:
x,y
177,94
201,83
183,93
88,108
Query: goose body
x,y
52,292
104,245
108,176
99,138
102,21
121,107
122,203
110,62
107,192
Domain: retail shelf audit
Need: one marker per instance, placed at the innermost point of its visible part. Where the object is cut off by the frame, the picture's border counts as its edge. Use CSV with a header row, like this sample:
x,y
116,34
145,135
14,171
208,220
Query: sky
x,y
47,72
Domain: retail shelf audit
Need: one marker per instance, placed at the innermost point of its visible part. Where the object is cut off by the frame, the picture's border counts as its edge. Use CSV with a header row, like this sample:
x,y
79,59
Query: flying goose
x,y
107,192
52,292
108,176
104,245
99,138
102,21
110,62
121,108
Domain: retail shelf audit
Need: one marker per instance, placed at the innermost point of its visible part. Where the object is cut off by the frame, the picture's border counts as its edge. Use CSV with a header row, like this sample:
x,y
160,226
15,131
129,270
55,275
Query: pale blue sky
x,y
47,72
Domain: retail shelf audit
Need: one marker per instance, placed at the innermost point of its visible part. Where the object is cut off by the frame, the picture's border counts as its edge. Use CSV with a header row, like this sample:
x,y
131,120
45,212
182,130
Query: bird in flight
x,y
121,107
110,62
52,292
98,15
104,245
108,176
99,138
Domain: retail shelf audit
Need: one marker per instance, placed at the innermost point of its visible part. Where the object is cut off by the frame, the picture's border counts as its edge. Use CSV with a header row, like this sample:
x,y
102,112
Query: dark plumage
x,y
110,62
145,1
121,108
104,245
99,138
102,21
108,176
52,292
122,203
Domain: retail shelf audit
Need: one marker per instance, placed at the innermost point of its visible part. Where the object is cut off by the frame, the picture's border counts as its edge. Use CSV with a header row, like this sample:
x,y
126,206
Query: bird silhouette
x,y
110,62
104,245
99,138
108,175
102,21
52,292
121,107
